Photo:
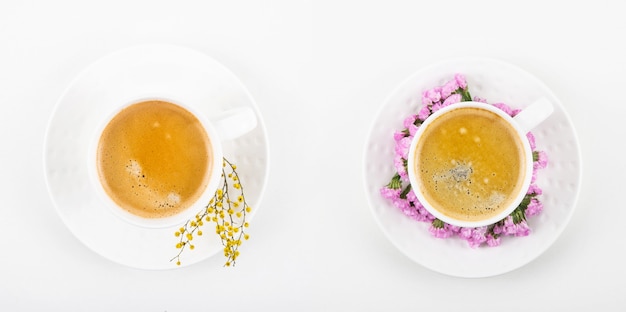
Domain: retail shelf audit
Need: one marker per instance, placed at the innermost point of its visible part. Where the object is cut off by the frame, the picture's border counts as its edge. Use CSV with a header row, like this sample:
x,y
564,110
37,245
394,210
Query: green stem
x,y
406,191
395,182
465,95
438,224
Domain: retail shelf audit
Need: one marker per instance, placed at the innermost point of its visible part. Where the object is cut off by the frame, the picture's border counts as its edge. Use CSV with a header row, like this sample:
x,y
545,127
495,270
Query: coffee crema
x,y
470,164
154,159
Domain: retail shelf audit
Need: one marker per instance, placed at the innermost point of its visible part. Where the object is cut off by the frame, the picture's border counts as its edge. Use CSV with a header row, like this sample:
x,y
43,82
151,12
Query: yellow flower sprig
x,y
228,210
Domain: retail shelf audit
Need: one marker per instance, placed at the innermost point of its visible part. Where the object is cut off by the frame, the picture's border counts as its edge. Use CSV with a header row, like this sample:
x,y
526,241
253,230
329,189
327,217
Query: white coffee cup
x,y
226,125
523,122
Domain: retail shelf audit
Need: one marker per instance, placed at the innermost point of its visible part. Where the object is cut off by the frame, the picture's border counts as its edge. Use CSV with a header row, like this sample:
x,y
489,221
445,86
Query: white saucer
x,y
495,81
166,71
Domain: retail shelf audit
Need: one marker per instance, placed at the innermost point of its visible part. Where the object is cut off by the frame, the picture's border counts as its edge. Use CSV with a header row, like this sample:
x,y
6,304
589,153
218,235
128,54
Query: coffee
x,y
154,159
470,164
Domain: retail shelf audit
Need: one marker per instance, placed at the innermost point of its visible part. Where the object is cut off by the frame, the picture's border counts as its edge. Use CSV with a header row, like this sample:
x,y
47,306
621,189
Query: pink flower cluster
x,y
403,197
439,97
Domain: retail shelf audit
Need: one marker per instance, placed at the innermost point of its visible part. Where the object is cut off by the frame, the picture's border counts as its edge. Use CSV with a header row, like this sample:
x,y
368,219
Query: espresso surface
x,y
471,164
153,159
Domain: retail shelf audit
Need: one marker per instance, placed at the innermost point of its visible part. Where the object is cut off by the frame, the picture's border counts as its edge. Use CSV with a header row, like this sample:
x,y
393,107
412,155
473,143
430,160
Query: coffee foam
x,y
171,199
459,179
134,168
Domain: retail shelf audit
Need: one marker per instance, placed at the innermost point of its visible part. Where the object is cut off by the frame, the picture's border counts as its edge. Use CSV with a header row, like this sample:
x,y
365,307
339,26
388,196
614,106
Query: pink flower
x,y
409,211
410,196
477,236
479,99
448,88
453,228
509,227
455,98
505,108
426,101
431,96
493,242
440,232
409,123
534,208
460,81
497,229
402,146
465,233
413,129
519,229
424,113
435,107
522,229
419,216
390,193
534,189
398,162
398,135
542,160
479,232
445,231
423,214
403,204
531,140
409,120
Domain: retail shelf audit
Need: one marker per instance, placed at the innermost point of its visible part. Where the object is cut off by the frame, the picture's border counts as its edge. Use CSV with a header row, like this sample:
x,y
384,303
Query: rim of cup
x,y
527,170
164,222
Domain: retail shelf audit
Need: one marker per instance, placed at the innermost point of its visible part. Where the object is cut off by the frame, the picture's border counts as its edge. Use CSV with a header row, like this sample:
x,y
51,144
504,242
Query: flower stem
x,y
227,211
438,224
465,95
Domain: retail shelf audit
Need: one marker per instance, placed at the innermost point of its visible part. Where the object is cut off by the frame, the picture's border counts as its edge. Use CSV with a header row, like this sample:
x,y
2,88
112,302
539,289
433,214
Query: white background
x,y
319,71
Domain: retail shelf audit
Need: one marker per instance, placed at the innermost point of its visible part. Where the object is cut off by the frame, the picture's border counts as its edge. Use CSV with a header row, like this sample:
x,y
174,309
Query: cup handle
x,y
534,114
234,123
